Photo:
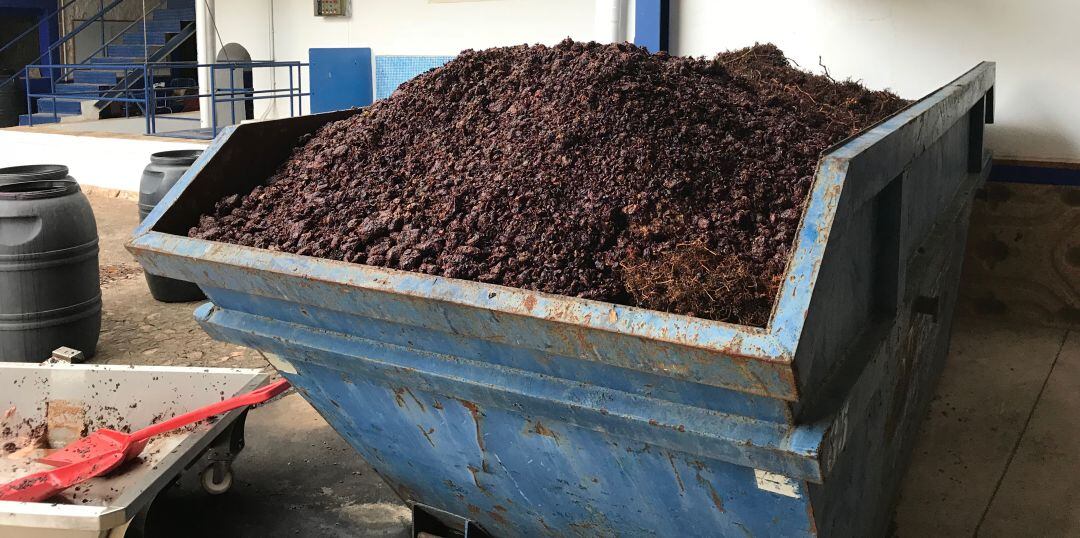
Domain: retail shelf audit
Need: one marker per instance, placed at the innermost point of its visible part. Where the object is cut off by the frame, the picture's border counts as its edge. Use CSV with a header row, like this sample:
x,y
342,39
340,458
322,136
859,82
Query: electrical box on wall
x,y
331,8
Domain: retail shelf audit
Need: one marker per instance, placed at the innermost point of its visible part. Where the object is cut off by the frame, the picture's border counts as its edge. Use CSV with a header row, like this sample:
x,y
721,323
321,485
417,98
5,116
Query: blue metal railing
x,y
147,97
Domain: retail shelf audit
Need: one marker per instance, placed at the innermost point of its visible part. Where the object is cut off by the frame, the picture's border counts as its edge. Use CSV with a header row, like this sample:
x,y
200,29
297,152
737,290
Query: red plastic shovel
x,y
104,449
42,485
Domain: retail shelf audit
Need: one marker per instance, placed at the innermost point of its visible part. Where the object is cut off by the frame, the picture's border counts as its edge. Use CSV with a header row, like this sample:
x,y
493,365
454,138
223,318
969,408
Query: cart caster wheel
x,y
216,487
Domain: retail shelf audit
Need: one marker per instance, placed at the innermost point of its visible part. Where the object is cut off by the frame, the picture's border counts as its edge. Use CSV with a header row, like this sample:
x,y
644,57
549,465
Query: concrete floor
x,y
998,455
133,125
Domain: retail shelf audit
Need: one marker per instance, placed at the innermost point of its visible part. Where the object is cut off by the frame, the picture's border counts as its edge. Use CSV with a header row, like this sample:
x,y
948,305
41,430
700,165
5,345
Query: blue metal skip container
x,y
532,414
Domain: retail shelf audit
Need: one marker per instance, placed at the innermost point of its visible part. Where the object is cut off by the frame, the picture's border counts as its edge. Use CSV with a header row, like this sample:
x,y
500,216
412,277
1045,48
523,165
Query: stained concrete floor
x,y
998,454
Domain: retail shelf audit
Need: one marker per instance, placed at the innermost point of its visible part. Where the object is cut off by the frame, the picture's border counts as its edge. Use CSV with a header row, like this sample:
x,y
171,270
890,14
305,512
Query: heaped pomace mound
x,y
596,171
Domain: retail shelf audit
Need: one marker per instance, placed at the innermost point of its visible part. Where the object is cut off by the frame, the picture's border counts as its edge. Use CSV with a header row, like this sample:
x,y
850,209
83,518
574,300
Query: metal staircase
x,y
113,70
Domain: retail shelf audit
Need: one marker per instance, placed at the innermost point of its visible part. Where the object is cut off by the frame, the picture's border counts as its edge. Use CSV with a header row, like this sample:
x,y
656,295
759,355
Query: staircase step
x,y
83,89
163,26
136,38
174,14
24,119
132,51
37,84
94,76
62,106
114,60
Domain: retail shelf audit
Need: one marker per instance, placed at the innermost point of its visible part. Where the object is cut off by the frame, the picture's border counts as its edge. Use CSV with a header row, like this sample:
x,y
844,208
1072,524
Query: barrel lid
x,y
37,190
178,156
32,172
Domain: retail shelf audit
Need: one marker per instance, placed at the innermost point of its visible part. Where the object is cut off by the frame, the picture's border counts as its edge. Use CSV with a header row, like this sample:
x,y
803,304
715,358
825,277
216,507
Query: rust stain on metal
x,y
399,397
546,526
427,434
403,491
678,477
582,339
477,416
476,479
437,405
498,517
540,429
716,500
810,517
415,399
530,302
751,375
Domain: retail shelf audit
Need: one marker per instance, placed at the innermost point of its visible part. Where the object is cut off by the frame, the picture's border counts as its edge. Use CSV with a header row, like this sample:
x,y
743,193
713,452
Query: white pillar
x,y
206,52
608,21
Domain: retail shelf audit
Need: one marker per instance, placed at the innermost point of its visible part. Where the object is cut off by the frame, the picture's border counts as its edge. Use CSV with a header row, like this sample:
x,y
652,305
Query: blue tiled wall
x,y
391,71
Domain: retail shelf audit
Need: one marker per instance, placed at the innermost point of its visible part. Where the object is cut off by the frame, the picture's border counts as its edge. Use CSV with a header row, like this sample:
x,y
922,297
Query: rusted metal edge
x,y
726,338
289,277
905,135
789,450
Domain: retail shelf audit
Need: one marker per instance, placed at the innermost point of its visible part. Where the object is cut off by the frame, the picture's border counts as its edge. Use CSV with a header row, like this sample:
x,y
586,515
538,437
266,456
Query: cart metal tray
x,y
56,401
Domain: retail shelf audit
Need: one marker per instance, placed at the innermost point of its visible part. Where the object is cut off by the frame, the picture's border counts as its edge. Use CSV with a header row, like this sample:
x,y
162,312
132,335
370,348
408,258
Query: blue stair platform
x,y
40,118
61,105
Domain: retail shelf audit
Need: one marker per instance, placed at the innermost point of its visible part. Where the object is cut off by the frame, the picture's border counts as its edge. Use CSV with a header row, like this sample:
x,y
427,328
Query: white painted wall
x,y
916,46
398,27
910,46
110,162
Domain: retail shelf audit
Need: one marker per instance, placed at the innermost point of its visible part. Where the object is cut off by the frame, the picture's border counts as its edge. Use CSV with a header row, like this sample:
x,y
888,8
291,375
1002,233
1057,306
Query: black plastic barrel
x,y
50,295
164,170
9,101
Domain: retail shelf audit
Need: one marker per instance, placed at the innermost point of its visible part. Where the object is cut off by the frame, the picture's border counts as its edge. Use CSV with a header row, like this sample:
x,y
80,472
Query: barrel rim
x,y
37,190
176,156
33,172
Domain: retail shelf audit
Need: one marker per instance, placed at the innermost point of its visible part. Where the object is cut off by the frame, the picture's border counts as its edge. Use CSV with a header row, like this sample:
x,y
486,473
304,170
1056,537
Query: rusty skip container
x,y
532,414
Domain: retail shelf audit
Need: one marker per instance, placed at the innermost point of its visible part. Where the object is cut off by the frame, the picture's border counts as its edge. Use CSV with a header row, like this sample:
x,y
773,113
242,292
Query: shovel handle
x,y
254,397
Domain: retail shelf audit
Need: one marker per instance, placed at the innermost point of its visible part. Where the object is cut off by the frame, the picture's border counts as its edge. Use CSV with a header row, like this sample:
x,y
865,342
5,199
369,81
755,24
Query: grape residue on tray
x,y
595,171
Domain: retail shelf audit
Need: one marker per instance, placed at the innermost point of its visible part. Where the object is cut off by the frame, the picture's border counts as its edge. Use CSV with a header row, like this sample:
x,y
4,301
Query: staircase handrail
x,y
36,25
114,38
67,37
